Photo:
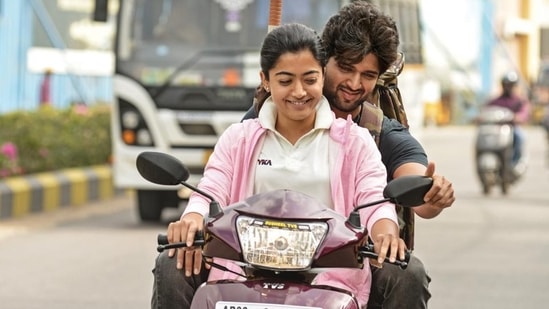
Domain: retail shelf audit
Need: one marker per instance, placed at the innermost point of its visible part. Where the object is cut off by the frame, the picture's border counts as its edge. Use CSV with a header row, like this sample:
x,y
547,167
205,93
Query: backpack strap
x,y
387,100
371,118
387,95
406,218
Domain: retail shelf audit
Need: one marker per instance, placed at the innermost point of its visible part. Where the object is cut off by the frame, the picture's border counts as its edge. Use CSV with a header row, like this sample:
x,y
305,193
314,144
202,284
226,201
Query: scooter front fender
x,y
279,293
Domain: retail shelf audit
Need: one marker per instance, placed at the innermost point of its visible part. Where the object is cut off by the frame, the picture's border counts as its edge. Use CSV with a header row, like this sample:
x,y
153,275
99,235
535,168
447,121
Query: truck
x,y
184,71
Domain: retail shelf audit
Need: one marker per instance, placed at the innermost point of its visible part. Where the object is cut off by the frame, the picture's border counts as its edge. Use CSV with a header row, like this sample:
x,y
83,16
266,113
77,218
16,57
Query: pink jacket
x,y
357,177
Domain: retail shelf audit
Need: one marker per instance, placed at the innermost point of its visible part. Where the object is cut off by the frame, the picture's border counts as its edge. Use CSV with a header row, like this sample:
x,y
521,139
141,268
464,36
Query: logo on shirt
x,y
264,162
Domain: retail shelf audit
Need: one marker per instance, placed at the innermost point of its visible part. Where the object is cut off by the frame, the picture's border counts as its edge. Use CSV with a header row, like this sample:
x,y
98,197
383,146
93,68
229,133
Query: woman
x,y
307,150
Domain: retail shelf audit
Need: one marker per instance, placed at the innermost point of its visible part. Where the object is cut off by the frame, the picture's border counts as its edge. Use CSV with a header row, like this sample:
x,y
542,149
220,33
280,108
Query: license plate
x,y
240,305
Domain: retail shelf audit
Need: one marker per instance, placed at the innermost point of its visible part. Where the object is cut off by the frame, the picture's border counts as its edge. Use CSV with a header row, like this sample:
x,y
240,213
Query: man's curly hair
x,y
359,29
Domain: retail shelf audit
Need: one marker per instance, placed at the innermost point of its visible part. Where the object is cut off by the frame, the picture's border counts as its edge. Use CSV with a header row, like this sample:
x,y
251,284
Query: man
x,y
361,43
518,105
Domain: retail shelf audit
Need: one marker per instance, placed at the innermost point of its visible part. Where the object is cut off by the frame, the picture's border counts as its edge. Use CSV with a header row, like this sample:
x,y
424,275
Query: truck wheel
x,y
150,203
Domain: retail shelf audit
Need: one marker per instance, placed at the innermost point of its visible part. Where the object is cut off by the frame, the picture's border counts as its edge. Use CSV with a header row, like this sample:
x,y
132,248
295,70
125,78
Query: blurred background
x,y
96,82
466,46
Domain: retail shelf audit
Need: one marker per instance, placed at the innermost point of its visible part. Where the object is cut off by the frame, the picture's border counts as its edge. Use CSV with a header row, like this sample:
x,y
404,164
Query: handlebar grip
x,y
368,252
162,239
163,243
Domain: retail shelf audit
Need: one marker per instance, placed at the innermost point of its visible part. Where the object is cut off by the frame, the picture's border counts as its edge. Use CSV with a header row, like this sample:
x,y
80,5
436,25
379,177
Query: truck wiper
x,y
192,61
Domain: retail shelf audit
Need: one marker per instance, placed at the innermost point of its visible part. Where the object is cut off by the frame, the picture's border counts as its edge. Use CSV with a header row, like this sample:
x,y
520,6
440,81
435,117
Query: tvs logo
x,y
273,286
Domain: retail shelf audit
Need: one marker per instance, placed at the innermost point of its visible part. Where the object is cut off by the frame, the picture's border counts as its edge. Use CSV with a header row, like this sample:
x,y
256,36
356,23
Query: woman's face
x,y
295,84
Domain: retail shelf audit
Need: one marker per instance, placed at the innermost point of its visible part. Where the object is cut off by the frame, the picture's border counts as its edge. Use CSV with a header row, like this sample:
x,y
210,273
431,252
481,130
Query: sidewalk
x,y
46,192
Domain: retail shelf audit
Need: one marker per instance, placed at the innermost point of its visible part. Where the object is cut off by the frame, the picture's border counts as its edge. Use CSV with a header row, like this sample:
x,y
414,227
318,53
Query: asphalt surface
x,y
483,252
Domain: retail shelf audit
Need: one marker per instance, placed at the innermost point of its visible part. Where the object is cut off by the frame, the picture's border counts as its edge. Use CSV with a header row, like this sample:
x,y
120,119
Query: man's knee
x,y
414,274
163,261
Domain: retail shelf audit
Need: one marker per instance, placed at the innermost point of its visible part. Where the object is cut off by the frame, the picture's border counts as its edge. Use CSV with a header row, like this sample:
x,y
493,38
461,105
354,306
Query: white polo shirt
x,y
302,167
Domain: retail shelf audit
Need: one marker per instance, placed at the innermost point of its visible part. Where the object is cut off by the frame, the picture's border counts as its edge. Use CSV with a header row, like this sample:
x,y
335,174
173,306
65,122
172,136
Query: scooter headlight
x,y
279,244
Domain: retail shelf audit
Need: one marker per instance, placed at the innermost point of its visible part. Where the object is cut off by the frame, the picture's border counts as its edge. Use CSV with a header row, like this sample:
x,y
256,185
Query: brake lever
x,y
367,251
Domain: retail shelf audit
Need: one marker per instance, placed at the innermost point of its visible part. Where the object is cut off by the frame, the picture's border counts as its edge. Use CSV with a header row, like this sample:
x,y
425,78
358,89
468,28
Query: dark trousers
x,y
171,289
392,287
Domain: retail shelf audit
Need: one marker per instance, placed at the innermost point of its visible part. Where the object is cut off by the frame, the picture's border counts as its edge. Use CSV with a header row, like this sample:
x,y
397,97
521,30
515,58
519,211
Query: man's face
x,y
346,86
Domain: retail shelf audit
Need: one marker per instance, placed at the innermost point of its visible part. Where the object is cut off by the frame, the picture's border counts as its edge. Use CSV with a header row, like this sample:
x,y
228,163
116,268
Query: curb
x,y
47,192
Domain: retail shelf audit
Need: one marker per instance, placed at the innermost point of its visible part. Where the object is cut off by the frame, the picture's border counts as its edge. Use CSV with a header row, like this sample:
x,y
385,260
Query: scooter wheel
x,y
504,187
486,189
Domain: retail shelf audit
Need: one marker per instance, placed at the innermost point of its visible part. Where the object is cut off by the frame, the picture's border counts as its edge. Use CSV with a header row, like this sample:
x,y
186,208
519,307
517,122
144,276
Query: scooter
x,y
282,239
494,150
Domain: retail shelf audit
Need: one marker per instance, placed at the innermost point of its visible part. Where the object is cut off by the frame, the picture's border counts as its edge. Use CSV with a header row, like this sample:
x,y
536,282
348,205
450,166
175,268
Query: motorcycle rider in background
x,y
520,106
545,125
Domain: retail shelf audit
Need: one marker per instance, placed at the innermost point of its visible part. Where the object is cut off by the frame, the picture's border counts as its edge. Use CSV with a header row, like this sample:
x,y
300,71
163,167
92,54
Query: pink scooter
x,y
282,239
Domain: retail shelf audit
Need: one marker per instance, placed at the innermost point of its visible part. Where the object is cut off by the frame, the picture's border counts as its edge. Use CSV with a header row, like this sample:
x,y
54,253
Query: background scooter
x,y
494,150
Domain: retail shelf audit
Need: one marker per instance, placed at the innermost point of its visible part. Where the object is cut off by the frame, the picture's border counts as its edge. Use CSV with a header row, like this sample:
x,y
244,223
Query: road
x,y
487,252
484,252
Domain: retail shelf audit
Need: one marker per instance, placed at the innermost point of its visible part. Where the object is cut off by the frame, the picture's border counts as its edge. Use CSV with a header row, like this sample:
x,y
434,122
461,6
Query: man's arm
x,y
403,155
441,194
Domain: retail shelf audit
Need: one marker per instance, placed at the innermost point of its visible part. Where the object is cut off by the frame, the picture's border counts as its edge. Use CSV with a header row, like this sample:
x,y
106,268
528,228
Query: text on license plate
x,y
240,305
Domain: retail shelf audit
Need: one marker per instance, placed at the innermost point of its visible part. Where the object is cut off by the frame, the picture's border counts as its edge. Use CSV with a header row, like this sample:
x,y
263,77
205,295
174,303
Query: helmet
x,y
510,78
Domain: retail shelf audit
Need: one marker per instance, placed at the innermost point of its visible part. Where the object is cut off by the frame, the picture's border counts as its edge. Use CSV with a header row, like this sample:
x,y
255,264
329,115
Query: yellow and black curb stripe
x,y
46,192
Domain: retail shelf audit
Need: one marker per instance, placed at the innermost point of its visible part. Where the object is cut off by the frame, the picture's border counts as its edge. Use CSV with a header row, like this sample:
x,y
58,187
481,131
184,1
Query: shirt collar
x,y
324,115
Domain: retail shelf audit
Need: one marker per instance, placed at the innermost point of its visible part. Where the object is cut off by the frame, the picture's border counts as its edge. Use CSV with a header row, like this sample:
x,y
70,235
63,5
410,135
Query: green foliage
x,y
50,139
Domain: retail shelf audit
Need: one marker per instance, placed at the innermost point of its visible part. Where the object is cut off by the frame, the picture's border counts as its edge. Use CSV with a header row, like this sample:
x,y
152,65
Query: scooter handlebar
x,y
162,239
163,243
365,251
368,252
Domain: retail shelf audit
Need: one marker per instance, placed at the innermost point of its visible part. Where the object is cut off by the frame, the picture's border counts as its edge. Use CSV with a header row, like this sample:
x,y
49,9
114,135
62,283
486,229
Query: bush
x,y
50,139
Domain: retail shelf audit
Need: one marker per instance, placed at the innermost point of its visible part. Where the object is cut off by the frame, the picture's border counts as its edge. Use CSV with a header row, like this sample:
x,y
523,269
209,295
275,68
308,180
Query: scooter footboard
x,y
270,294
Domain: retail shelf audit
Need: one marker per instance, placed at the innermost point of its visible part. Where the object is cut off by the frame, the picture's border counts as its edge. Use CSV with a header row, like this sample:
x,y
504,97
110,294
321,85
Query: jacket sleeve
x,y
218,173
371,179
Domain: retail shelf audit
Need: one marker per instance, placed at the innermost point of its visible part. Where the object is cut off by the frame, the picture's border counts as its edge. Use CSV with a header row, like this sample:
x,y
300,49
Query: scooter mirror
x,y
161,168
408,191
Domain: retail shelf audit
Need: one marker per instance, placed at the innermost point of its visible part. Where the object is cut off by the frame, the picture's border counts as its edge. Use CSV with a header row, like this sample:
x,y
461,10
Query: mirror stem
x,y
215,209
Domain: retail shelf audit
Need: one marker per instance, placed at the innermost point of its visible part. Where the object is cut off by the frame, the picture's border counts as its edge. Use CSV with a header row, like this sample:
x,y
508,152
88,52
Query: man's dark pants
x,y
392,287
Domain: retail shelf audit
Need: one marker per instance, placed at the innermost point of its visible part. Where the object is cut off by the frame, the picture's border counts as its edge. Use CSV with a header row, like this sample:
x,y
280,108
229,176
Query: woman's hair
x,y
290,38
359,29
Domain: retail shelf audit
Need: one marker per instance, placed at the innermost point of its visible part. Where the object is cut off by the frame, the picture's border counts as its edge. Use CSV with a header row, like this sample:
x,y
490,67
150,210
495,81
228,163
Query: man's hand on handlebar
x,y
185,230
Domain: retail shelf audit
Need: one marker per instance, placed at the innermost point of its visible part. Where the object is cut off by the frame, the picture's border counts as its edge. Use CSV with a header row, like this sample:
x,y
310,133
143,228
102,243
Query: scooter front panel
x,y
242,305
270,294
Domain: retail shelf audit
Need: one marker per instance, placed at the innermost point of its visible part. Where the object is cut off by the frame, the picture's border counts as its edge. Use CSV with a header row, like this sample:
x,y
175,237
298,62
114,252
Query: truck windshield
x,y
202,42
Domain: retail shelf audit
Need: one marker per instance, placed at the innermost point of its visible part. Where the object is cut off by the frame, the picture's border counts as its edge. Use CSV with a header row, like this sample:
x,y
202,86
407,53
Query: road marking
x,y
16,226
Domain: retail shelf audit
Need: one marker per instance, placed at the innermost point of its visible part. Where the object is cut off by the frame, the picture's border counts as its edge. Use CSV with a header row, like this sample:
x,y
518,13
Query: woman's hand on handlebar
x,y
185,230
388,246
